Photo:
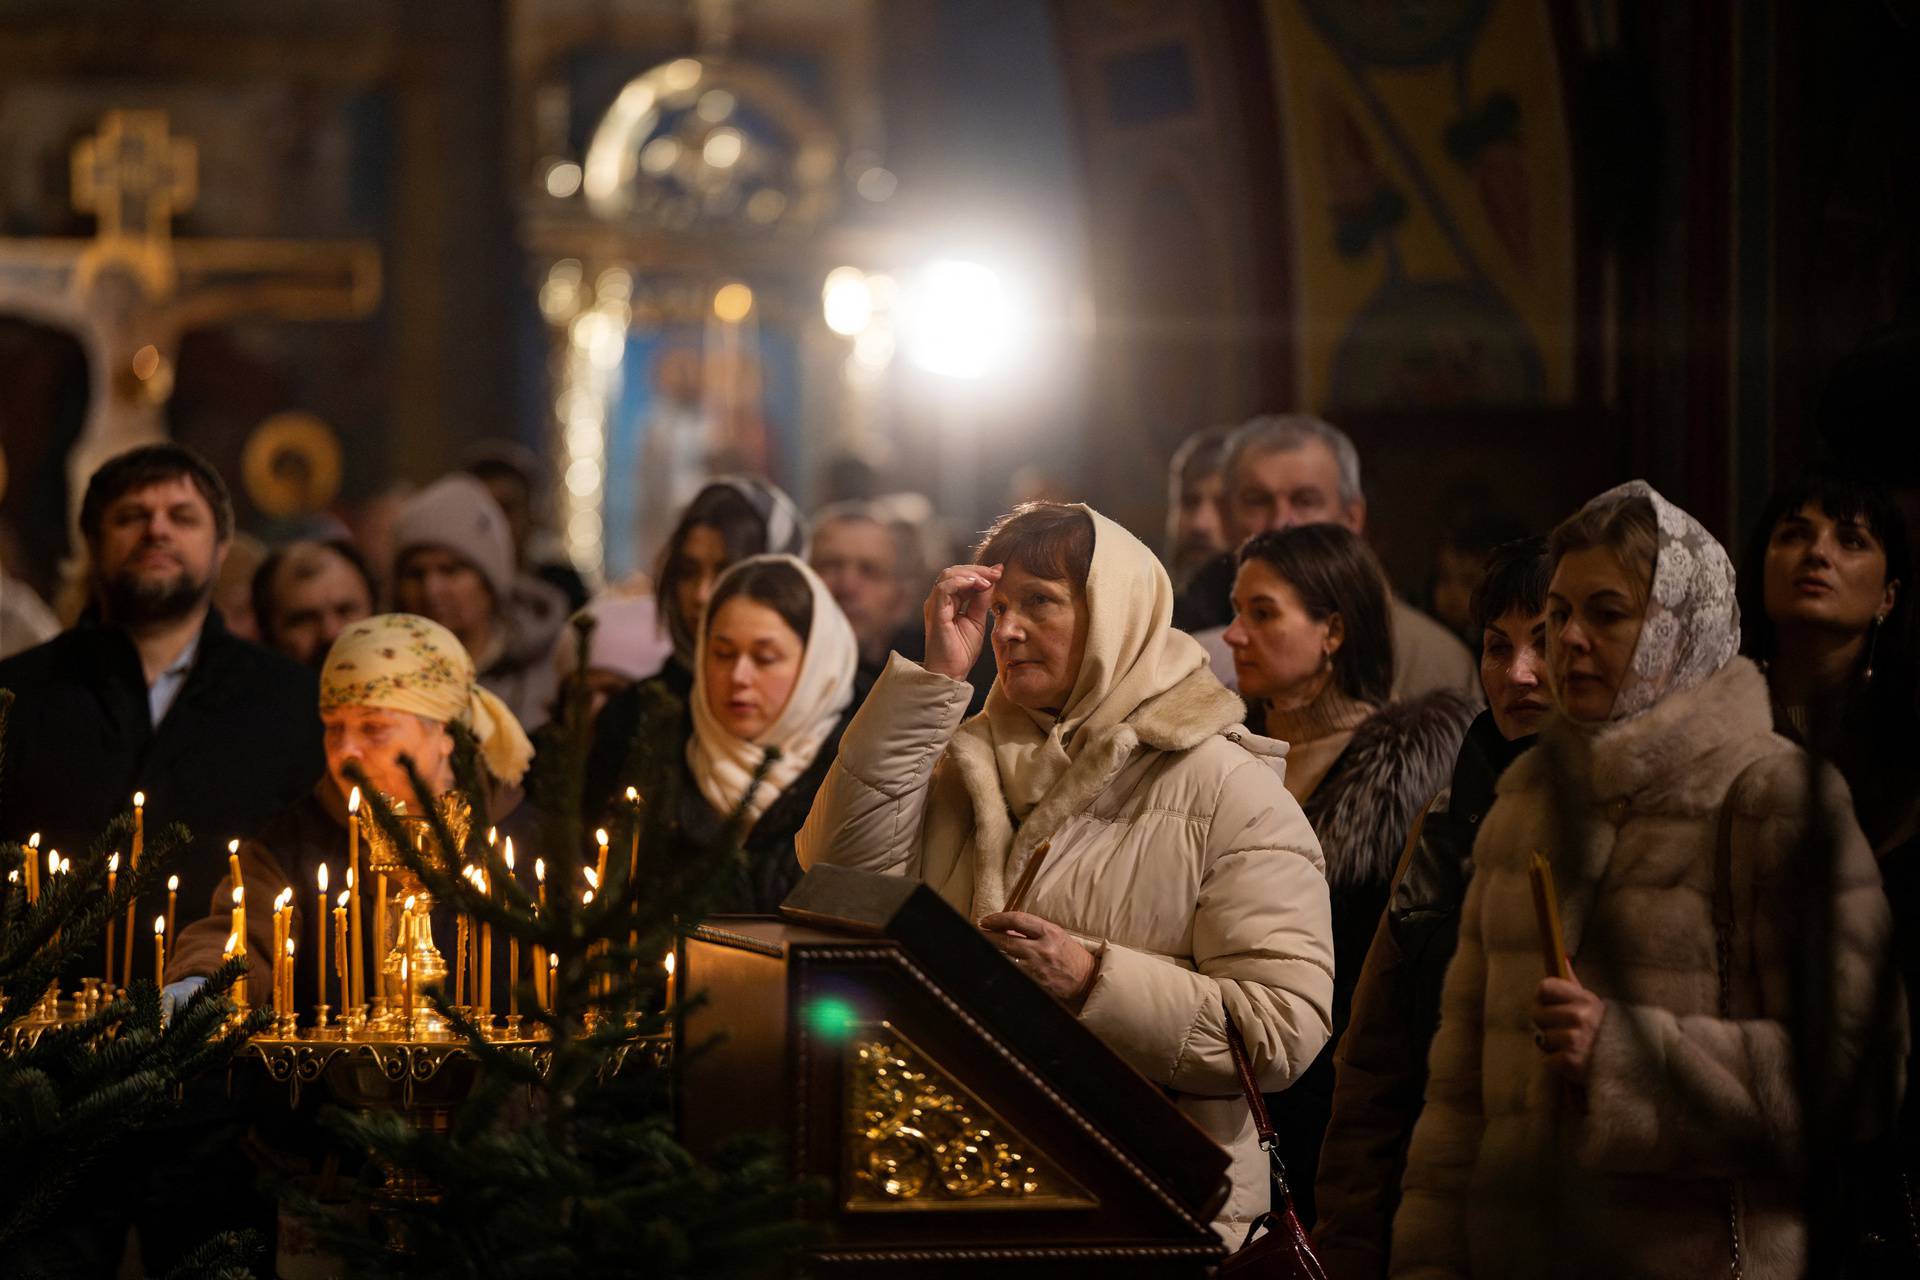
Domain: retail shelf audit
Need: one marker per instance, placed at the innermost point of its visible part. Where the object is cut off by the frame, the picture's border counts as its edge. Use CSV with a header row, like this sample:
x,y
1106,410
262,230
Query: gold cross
x,y
133,177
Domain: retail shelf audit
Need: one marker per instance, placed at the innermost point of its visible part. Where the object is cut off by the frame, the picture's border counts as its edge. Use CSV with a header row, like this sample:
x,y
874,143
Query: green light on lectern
x,y
830,1017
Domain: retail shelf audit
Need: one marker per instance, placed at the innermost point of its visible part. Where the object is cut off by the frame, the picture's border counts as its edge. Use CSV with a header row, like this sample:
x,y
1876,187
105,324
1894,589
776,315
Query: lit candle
x,y
159,951
113,874
513,953
669,965
240,935
173,895
633,853
486,956
540,953
279,936
406,992
33,868
553,978
341,964
286,980
233,860
380,934
320,937
357,966
461,923
600,838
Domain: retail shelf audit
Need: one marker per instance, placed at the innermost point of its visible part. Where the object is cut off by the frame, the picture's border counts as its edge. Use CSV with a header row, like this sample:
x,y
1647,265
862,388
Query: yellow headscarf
x,y
403,662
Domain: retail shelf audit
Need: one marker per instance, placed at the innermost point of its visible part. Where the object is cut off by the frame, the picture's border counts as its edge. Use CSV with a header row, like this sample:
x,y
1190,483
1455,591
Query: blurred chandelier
x,y
716,144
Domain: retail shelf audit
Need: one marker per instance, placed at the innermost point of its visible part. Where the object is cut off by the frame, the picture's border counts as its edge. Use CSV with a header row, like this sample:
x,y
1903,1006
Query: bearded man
x,y
149,691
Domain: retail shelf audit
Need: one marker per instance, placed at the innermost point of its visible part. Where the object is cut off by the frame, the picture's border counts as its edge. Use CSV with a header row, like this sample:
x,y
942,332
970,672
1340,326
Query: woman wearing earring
x,y
1313,651
1825,610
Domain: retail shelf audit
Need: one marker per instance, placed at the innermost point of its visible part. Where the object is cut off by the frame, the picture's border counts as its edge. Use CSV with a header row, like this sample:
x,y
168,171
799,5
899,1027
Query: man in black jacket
x,y
149,692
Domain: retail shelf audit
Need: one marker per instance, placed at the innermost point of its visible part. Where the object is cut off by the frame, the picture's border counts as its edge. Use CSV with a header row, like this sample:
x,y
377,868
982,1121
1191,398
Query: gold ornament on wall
x,y
291,465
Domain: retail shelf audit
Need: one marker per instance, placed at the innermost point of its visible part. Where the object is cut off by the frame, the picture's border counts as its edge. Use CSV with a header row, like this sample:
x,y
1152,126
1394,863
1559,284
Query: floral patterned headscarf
x,y
1692,626
403,662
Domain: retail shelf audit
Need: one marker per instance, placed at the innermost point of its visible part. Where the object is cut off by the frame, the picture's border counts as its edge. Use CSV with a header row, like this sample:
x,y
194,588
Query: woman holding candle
x,y
774,677
1645,1117
1181,885
391,686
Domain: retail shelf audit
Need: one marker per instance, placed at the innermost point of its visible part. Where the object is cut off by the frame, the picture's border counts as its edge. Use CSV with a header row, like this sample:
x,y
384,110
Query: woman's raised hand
x,y
956,616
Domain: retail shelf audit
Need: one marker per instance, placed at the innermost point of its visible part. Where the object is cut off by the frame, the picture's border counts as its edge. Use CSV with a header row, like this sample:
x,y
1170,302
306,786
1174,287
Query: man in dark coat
x,y
149,692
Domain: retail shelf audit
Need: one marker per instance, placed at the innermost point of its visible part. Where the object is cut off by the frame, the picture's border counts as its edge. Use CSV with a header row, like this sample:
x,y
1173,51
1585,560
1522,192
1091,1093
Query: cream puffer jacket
x,y
1688,1122
1176,854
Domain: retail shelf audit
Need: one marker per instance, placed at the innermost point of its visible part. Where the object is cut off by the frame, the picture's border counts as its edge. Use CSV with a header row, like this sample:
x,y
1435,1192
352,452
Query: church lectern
x,y
964,1122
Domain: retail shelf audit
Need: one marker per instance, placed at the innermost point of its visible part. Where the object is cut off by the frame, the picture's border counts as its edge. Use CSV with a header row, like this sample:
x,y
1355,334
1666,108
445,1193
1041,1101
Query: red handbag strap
x,y
1262,1123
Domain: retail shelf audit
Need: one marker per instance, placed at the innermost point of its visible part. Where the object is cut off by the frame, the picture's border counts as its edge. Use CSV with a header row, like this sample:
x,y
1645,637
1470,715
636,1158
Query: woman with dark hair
x,y
1313,649
773,691
1827,612
1380,1071
1647,1109
730,519
1174,882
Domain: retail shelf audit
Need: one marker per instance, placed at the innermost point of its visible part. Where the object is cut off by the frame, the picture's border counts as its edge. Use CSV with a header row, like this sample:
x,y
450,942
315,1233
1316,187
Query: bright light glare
x,y
961,320
846,301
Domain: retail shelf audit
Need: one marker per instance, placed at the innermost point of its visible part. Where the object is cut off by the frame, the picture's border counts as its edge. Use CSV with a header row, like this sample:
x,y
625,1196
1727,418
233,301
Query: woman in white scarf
x,y
773,688
1174,880
1647,1114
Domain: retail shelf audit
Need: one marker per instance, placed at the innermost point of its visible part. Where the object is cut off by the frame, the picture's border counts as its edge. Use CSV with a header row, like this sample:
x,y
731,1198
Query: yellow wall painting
x,y
1425,145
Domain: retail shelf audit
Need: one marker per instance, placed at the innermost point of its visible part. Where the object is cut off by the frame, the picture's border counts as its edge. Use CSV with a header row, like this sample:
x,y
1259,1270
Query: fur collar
x,y
1670,758
1397,760
1181,718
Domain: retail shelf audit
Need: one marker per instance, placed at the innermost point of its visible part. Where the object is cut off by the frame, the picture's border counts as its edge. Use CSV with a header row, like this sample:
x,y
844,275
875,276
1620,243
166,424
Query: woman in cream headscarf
x,y
1181,883
1645,1116
391,687
773,688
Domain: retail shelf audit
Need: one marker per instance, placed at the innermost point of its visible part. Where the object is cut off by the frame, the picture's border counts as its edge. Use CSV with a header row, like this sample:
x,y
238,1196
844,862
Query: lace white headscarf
x,y
1692,627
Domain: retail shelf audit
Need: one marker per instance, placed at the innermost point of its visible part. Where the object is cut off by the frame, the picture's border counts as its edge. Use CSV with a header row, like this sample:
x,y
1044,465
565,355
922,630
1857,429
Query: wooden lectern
x,y
965,1123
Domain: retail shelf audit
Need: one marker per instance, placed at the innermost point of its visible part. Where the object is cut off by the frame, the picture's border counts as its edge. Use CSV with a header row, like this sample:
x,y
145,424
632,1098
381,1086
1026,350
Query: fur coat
x,y
1362,811
1177,856
1688,1126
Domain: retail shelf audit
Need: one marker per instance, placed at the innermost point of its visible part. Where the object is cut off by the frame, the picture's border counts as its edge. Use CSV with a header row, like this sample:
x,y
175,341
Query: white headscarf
x,y
1133,655
724,765
1692,627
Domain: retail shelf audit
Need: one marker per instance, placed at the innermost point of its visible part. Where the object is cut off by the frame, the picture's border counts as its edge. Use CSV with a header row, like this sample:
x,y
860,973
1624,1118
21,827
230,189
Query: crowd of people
x,y
1248,791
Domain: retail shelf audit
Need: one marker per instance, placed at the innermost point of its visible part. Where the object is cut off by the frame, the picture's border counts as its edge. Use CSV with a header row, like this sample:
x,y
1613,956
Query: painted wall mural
x,y
1434,250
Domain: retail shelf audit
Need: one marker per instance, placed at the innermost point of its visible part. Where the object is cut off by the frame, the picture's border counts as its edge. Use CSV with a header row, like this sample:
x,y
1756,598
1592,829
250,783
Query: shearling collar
x,y
1181,718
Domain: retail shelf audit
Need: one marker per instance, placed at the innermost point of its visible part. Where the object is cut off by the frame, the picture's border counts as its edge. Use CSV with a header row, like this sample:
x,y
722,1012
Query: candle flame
x,y
540,870
173,884
600,837
13,877
233,942
233,845
33,841
353,801
669,964
493,836
66,865
282,899
139,799
592,879
239,895
53,862
113,863
553,962
349,877
405,968
509,853
344,895
159,925
289,947
633,795
323,879
586,898
411,899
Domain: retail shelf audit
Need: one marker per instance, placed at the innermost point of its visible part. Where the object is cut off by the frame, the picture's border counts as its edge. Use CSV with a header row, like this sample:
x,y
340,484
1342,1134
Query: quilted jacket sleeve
x,y
870,808
1262,950
1714,1096
1430,1228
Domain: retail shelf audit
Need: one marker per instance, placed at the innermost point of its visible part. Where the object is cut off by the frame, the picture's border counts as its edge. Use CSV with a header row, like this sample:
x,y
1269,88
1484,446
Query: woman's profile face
x,y
753,662
1825,573
699,562
1039,638
1280,651
1594,611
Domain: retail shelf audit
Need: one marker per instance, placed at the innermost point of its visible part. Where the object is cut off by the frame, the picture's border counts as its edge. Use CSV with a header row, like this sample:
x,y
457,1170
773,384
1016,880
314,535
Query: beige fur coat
x,y
1176,854
1684,1115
